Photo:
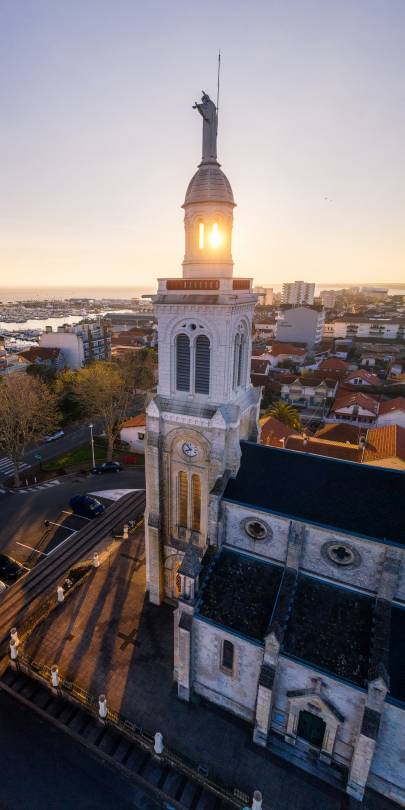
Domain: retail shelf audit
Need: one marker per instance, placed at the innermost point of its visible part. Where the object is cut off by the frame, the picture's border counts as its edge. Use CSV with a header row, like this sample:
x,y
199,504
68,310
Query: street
x,y
23,534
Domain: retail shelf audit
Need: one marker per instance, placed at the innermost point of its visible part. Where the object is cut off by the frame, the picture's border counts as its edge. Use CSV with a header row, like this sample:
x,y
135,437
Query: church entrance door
x,y
311,728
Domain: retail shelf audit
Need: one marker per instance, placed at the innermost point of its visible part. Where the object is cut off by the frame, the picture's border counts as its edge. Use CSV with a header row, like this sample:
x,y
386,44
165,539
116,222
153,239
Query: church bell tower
x,y
205,403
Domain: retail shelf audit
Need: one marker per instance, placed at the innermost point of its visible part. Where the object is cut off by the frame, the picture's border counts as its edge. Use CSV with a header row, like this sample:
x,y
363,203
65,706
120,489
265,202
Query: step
x,y
30,689
10,676
137,760
94,732
190,794
207,801
154,772
67,713
43,698
122,752
174,783
109,742
79,721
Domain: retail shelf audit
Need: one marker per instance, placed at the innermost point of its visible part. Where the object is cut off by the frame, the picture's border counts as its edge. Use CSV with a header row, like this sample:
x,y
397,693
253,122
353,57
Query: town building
x,y
284,567
392,412
51,358
265,296
309,391
361,327
133,432
298,293
301,325
80,343
356,408
328,298
3,355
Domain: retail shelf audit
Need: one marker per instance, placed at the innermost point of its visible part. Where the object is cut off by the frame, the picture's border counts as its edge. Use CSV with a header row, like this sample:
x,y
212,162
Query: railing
x,y
130,729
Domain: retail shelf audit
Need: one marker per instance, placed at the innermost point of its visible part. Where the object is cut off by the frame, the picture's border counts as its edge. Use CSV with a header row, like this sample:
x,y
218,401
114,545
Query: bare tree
x,y
27,412
104,392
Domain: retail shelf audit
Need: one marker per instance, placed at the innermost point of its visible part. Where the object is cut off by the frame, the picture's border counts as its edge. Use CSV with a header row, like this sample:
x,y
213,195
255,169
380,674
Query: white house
x,y
392,412
133,432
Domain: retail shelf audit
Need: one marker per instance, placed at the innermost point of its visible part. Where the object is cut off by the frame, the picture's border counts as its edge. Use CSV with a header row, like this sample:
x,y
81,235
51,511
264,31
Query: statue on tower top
x,y
209,114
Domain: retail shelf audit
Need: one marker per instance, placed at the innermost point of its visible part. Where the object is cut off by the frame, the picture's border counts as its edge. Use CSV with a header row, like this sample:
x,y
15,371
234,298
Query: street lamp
x,y
92,445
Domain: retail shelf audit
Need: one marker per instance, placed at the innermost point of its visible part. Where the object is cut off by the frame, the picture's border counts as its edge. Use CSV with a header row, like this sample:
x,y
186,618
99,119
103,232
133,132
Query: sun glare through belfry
x,y
201,236
215,236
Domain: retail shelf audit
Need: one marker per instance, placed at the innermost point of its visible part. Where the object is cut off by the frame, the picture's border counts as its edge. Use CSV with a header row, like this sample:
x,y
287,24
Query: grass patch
x,y
80,457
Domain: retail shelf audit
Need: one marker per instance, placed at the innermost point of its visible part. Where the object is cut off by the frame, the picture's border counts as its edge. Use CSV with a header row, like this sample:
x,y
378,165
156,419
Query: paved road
x,y
74,437
22,514
43,767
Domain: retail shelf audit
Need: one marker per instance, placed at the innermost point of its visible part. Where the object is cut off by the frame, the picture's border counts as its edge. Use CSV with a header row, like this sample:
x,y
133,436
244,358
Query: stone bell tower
x,y
205,402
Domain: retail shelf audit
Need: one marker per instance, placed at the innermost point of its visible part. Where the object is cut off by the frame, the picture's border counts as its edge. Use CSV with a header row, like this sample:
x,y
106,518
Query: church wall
x,y
387,772
236,692
291,675
364,573
273,548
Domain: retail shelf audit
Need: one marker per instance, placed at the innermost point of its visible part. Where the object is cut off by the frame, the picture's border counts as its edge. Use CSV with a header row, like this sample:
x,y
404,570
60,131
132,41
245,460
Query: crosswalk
x,y
6,467
33,488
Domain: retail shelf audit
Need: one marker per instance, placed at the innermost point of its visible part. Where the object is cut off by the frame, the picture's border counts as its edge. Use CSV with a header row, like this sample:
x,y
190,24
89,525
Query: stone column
x,y
367,739
183,656
263,705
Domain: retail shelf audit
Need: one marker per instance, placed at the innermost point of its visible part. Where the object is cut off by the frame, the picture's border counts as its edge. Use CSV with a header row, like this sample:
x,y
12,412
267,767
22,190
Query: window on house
x,y
202,365
227,655
182,363
195,503
141,436
182,494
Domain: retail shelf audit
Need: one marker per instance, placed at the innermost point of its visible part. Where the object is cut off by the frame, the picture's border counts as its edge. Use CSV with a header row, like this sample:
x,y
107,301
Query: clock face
x,y
189,449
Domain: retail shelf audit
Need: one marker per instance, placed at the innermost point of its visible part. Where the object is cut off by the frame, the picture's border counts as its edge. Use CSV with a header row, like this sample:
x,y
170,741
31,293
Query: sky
x,y
99,140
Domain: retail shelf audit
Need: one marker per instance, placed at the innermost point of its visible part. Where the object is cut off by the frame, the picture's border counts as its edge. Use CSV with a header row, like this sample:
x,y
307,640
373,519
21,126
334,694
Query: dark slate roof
x,y
240,593
355,498
397,654
331,628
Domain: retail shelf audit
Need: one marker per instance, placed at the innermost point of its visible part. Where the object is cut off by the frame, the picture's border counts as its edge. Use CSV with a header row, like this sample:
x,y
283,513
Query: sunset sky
x,y
98,137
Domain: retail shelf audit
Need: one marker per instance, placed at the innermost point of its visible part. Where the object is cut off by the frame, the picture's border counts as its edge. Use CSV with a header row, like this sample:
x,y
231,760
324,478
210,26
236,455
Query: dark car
x,y
107,467
10,569
86,506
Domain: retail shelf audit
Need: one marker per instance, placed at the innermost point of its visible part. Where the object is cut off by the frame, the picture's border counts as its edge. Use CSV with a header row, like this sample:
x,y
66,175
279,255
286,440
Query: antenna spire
x,y
219,70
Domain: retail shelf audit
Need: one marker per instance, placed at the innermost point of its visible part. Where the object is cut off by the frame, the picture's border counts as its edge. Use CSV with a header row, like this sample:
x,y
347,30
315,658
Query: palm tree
x,y
285,413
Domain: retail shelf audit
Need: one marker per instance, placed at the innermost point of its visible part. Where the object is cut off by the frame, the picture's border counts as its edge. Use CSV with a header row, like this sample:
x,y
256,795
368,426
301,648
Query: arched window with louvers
x,y
202,365
183,357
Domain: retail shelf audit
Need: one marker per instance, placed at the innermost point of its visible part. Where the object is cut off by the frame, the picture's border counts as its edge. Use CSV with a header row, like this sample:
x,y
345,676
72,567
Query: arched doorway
x,y
311,728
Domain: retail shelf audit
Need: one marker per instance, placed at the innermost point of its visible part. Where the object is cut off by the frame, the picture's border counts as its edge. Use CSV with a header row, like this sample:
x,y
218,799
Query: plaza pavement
x,y
109,639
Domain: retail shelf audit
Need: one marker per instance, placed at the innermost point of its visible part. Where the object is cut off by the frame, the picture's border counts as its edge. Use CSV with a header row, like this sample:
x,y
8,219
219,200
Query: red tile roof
x,y
310,444
345,399
333,364
288,349
366,376
40,352
391,405
273,431
385,442
135,421
259,366
340,433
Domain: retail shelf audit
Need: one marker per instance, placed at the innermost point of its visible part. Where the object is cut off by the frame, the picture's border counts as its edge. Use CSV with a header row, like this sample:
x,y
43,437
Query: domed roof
x,y
209,184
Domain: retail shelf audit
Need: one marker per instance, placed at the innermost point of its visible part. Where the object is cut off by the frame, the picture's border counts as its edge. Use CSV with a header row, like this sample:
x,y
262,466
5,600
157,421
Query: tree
x,y
65,390
28,411
285,413
139,369
103,391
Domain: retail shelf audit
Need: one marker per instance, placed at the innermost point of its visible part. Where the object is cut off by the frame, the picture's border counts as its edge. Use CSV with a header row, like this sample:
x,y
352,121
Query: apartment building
x,y
297,293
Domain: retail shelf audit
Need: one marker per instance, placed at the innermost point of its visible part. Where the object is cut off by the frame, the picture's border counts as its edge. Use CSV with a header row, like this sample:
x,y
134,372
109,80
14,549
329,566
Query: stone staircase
x,y
171,787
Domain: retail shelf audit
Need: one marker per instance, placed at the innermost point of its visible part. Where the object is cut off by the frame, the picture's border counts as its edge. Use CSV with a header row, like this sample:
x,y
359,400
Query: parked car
x,y
86,506
10,569
107,467
54,436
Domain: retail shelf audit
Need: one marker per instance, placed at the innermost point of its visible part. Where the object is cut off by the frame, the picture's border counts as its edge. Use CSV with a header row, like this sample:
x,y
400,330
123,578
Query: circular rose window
x,y
340,553
256,529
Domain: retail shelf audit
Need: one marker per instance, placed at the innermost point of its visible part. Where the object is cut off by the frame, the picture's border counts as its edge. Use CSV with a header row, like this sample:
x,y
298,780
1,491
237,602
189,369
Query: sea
x,y
14,294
